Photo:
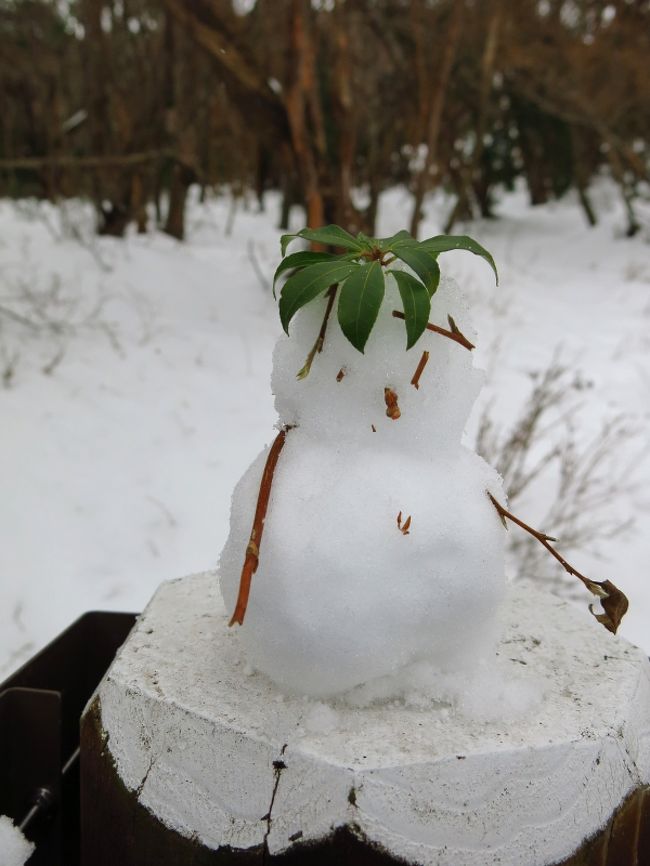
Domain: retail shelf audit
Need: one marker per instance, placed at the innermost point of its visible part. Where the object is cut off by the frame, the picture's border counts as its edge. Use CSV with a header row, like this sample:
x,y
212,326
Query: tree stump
x,y
187,758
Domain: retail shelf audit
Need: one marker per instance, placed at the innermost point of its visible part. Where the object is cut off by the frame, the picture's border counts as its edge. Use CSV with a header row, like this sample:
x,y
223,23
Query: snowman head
x,y
376,337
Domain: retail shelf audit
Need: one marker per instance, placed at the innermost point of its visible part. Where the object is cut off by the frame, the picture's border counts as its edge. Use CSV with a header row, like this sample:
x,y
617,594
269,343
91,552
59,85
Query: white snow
x,y
321,719
486,691
117,468
15,850
341,596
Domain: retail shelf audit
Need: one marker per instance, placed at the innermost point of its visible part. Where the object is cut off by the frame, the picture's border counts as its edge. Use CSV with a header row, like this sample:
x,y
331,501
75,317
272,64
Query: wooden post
x,y
187,758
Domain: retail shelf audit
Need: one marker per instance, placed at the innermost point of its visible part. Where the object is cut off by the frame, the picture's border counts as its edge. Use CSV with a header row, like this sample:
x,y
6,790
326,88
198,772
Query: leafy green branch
x,y
357,276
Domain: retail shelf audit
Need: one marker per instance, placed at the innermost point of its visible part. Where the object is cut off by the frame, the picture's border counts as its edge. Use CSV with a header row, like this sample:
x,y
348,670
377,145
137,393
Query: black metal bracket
x,y
40,707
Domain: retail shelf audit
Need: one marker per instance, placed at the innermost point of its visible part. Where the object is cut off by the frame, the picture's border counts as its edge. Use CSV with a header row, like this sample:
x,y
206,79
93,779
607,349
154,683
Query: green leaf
x,y
285,240
445,243
308,283
332,235
422,262
366,242
417,305
300,260
386,243
361,297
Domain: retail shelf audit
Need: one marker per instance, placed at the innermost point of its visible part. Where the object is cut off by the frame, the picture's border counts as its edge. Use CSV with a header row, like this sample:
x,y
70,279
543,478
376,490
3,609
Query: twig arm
x,y
613,601
253,548
453,334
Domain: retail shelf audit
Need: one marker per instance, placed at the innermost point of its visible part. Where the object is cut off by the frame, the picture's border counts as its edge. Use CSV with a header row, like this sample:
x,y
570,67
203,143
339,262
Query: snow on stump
x,y
189,758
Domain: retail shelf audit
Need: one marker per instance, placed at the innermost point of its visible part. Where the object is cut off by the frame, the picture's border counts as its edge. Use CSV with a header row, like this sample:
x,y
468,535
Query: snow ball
x,y
15,850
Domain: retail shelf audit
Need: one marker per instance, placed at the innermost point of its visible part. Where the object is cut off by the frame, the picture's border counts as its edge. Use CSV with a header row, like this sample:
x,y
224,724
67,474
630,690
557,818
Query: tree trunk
x,y
618,171
580,179
487,74
182,178
138,203
301,63
438,95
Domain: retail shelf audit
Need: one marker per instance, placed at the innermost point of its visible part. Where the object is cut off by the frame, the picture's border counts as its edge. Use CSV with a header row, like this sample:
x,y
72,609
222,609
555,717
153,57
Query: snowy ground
x,y
136,387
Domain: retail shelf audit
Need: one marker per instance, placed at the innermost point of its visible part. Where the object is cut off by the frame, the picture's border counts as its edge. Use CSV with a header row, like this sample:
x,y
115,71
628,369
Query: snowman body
x,y
344,594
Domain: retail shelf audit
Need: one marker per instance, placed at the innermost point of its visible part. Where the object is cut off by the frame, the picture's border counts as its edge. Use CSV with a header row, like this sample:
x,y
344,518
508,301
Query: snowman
x,y
381,548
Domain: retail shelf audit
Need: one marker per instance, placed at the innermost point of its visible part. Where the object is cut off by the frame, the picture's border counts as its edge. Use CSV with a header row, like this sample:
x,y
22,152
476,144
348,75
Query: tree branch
x,y
613,601
415,381
454,334
211,38
63,161
320,340
253,548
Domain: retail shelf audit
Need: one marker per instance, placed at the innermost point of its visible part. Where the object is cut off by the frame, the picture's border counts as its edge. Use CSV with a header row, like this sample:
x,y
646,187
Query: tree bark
x,y
182,178
438,95
487,73
580,179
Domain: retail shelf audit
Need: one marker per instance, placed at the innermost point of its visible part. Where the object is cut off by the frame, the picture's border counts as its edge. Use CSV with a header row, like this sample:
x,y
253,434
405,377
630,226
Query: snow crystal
x,y
342,596
15,850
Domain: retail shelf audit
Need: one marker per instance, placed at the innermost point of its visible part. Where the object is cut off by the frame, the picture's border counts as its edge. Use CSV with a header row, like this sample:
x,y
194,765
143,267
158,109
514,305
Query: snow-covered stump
x,y
190,758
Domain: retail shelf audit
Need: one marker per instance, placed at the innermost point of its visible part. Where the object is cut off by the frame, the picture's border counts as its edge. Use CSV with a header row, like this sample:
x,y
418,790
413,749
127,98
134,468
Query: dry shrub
x,y
583,487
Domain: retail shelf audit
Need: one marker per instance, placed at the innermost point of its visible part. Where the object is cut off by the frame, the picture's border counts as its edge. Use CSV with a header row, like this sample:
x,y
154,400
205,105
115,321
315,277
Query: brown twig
x,y
454,334
340,374
64,161
320,339
253,548
392,406
415,381
613,601
404,528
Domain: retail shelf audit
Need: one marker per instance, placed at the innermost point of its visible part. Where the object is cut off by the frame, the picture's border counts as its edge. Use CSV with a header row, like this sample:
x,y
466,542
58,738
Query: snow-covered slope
x,y
118,462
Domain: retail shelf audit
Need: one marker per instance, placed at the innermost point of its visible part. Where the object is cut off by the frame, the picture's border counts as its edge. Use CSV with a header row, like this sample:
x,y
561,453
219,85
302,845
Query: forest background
x,y
132,101
150,155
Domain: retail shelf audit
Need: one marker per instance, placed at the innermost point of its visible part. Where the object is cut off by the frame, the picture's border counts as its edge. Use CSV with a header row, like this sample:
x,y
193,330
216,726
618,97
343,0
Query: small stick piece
x,y
613,601
320,339
253,549
404,529
373,428
415,381
454,334
392,407
340,374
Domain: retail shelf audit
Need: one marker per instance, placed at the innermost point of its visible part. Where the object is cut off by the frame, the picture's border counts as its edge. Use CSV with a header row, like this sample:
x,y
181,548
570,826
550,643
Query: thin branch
x,y
63,161
320,339
415,381
22,320
613,601
253,548
454,335
213,38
